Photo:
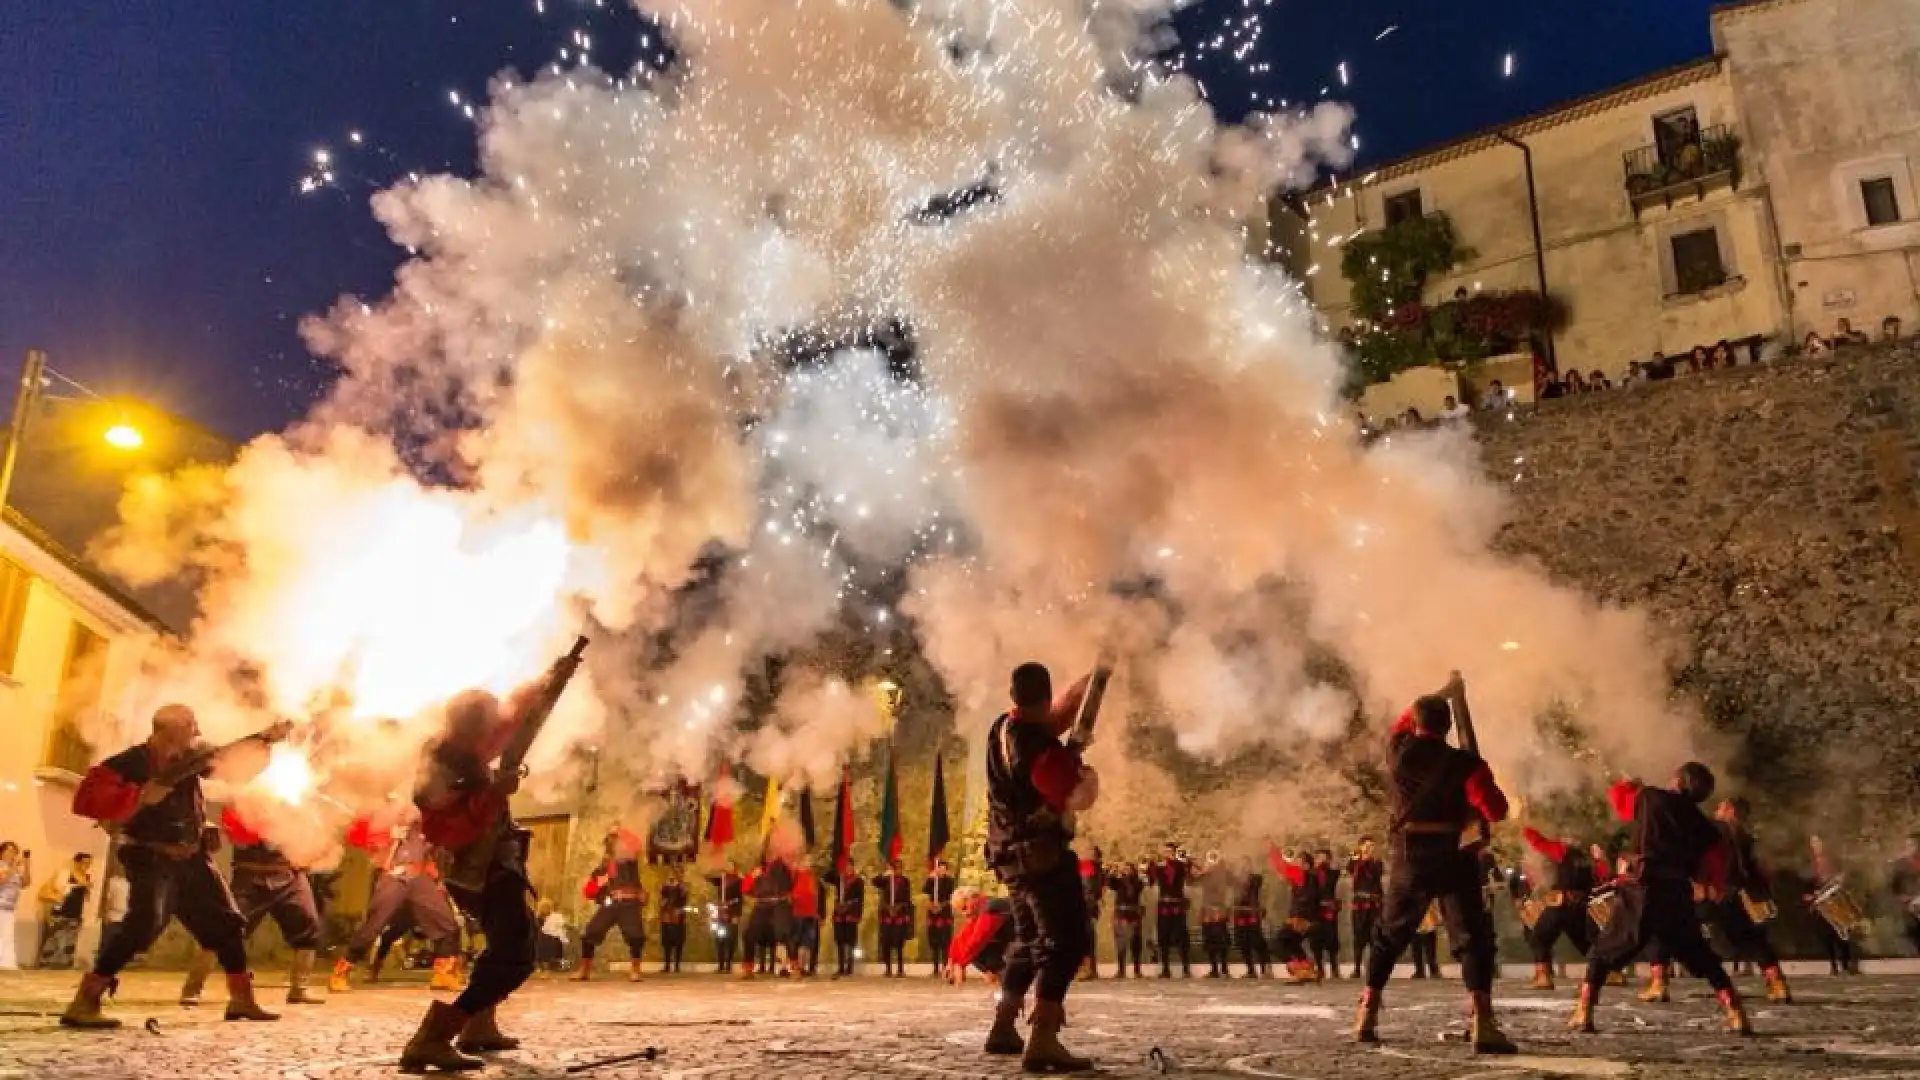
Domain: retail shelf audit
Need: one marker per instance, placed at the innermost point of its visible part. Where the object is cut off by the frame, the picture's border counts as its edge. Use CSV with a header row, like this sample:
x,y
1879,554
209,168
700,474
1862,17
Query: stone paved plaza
x,y
704,1026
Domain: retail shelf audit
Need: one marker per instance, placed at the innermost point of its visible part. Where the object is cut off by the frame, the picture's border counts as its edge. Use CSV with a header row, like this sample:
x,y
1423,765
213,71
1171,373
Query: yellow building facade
x,y
71,653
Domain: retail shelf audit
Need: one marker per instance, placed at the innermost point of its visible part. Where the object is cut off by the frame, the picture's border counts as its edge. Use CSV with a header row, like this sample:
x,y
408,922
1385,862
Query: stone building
x,y
1757,193
1827,93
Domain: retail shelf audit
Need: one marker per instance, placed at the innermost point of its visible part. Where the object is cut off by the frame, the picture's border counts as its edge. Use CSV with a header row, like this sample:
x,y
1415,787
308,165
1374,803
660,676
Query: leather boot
x,y
1302,972
432,1046
197,972
1004,1039
1737,1022
1486,1035
84,1012
1366,1021
1656,990
240,1003
446,974
585,972
298,974
1777,992
481,1035
1582,1018
1044,1054
1542,977
341,980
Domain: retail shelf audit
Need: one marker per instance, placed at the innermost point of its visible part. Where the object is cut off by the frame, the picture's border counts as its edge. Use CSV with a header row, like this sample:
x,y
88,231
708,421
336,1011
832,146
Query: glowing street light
x,y
124,436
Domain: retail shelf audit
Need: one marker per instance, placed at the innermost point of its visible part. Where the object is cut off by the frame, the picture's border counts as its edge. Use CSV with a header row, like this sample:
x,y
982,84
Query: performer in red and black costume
x,y
1438,791
169,872
770,923
1826,870
1093,882
1298,936
729,900
938,889
673,920
1368,876
621,896
406,895
1169,878
849,910
1249,920
1036,784
805,945
1216,922
1129,908
462,801
1326,930
1746,878
1677,846
893,894
266,883
1565,913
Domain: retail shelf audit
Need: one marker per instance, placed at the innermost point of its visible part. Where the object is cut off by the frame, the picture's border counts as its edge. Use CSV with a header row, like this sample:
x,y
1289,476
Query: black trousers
x,y
1568,920
1127,937
160,890
1658,913
1049,933
846,939
939,938
504,907
1252,939
1216,940
1172,935
1426,954
1364,919
283,894
1427,869
726,939
422,901
1839,950
1295,940
673,943
1913,931
769,927
894,936
629,915
1325,939
1748,939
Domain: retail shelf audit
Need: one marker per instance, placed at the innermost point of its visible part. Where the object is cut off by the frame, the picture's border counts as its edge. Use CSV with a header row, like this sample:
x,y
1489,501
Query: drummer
x,y
1827,882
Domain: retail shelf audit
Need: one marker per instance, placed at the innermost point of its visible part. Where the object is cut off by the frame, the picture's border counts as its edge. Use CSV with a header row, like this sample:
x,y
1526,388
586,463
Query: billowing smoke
x,y
1121,432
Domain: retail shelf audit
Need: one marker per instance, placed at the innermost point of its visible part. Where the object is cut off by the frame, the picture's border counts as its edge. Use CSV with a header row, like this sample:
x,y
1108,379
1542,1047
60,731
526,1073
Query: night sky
x,y
155,242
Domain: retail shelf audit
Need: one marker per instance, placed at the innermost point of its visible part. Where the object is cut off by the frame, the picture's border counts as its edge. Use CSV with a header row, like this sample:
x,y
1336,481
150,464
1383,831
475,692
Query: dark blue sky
x,y
152,237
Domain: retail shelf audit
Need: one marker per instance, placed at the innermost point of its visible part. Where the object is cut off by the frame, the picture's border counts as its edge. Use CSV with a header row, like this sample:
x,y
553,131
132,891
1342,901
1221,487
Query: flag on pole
x,y
890,814
720,818
770,812
807,819
937,828
843,826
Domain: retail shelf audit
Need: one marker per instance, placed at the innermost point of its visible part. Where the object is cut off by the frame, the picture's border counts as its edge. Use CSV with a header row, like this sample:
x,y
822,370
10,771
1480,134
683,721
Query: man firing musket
x,y
463,808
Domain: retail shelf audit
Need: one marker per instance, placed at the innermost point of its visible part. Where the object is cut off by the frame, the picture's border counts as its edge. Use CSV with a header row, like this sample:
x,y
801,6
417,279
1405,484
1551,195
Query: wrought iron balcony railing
x,y
1661,172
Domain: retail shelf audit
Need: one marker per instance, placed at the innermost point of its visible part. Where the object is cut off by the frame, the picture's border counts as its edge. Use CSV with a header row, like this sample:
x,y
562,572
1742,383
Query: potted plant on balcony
x,y
1721,151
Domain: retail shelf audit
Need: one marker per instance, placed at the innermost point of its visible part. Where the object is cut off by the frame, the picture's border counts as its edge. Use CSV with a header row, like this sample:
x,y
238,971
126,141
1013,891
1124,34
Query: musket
x,y
471,863
1089,715
202,756
1456,695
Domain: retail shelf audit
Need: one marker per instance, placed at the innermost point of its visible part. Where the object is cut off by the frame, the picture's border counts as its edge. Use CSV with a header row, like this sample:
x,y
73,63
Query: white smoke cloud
x,y
1111,393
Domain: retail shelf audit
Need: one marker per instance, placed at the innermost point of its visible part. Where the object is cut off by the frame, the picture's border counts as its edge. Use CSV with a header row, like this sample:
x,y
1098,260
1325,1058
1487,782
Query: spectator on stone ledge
x,y
1815,345
1636,374
1698,359
1574,383
1890,328
1722,355
1597,381
1496,396
1845,334
1411,418
1450,409
1659,368
1552,388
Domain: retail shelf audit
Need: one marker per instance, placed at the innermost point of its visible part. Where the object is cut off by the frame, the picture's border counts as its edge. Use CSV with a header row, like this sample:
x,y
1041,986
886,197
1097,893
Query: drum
x,y
1760,911
1431,921
1836,905
1530,911
1602,906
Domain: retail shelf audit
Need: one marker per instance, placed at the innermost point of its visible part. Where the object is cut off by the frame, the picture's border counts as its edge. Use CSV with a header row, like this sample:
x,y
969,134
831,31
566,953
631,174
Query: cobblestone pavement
x,y
1855,1029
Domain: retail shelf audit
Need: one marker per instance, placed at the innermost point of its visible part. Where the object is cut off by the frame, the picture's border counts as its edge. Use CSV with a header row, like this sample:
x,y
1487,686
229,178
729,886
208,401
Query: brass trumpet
x,y
1213,857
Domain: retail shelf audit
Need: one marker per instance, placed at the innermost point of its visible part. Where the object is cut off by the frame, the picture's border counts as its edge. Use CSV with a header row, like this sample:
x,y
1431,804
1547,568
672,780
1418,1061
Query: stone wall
x,y
1767,515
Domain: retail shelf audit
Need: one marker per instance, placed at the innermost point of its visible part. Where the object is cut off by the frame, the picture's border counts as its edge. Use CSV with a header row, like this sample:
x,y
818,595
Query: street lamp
x,y
33,381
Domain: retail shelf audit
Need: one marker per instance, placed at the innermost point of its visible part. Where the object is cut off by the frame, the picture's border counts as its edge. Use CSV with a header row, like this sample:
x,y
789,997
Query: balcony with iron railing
x,y
1659,173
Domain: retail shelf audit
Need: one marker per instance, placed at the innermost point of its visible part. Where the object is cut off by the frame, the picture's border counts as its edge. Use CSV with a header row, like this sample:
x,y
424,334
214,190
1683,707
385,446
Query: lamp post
x,y
33,380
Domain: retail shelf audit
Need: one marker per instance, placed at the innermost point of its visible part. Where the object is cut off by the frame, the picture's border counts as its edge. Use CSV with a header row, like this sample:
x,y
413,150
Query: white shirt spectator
x,y
1497,396
1453,410
555,926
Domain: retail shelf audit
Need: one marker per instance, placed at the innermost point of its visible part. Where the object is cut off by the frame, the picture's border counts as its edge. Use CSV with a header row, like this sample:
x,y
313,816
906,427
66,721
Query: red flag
x,y
843,826
720,820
